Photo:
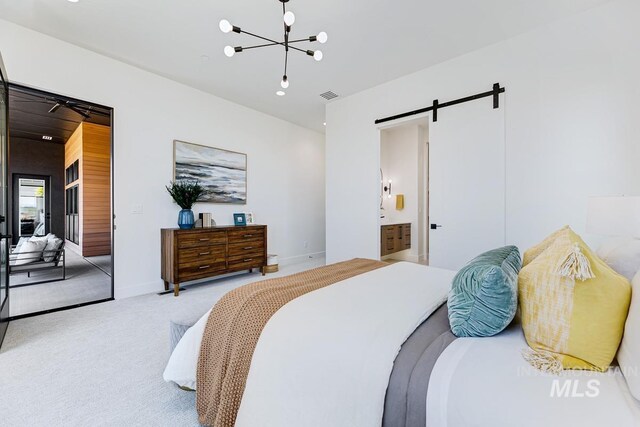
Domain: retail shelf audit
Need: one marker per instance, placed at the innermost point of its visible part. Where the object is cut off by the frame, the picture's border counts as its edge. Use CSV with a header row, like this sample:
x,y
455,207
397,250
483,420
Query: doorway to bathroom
x,y
464,185
404,192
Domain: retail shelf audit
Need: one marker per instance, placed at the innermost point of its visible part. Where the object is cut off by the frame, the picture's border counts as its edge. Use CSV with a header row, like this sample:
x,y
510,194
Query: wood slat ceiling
x,y
30,119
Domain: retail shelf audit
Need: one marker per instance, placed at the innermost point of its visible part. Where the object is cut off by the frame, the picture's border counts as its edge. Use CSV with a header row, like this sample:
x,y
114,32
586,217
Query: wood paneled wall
x,y
91,144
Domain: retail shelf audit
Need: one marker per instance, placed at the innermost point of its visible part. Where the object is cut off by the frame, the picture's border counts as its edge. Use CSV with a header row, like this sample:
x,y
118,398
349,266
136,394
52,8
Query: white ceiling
x,y
370,41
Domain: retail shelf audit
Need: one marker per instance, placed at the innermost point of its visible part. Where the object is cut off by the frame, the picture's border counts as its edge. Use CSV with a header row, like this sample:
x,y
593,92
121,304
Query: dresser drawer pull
x,y
204,267
248,235
205,253
248,259
204,240
247,248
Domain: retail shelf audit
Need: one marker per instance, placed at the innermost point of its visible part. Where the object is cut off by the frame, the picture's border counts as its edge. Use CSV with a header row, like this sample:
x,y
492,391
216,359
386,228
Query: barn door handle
x,y
435,226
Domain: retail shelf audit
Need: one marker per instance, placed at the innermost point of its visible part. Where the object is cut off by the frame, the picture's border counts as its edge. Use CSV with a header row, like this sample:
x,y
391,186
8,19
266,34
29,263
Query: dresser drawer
x,y
245,263
212,253
201,269
253,255
390,244
196,239
246,248
246,235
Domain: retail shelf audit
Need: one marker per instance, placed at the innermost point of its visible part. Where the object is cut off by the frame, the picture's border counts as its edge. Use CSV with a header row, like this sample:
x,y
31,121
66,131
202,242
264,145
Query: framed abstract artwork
x,y
222,173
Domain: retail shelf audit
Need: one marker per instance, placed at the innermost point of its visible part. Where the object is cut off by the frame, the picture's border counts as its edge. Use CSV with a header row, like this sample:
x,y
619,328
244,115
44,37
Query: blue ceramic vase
x,y
186,219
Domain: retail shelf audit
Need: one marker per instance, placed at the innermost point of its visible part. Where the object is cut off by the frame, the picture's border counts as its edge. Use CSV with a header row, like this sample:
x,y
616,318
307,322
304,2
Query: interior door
x,y
4,239
466,183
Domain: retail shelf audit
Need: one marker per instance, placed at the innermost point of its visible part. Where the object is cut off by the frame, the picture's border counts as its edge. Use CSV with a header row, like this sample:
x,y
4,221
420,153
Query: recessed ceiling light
x,y
73,1
47,137
280,93
324,124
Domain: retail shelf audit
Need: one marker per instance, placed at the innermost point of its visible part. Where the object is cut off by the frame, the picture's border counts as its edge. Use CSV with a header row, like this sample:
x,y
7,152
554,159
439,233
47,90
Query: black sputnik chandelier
x,y
289,19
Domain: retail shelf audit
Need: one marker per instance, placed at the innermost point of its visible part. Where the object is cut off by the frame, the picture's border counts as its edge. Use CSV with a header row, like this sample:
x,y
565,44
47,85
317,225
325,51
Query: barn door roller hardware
x,y
495,93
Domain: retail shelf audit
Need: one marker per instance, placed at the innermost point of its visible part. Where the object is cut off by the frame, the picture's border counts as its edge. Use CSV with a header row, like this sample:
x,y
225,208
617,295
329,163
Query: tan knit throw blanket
x,y
233,329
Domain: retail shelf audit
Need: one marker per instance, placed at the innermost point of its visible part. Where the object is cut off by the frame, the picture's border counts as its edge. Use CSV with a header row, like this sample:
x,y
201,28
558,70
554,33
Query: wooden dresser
x,y
200,253
395,238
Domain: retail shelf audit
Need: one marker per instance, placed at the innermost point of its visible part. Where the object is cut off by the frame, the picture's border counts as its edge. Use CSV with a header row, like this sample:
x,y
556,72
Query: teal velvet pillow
x,y
484,294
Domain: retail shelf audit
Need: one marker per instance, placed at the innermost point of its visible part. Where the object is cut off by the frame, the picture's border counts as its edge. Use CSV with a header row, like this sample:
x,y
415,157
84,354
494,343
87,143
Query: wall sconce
x,y
387,189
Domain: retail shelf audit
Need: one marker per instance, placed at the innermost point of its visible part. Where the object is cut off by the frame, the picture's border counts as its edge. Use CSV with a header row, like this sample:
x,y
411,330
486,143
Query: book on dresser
x,y
201,253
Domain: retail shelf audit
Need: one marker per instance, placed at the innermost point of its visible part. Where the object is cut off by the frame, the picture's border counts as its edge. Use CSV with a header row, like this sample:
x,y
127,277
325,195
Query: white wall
x,y
285,161
572,130
400,161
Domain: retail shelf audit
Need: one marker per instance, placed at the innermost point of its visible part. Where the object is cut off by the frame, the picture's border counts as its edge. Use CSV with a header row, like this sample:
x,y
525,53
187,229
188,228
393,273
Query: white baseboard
x,y
300,258
156,286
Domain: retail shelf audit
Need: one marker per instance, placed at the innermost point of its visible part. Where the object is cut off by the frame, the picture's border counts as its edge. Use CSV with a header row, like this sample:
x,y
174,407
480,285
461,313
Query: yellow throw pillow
x,y
536,250
573,306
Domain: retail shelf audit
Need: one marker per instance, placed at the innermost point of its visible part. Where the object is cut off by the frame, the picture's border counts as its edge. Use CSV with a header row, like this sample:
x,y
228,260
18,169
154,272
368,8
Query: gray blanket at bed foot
x,y
406,400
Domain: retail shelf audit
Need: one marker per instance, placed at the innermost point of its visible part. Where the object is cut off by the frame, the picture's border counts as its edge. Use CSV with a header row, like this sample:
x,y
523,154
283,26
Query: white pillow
x,y
182,367
29,252
629,351
20,243
623,256
41,238
53,244
610,244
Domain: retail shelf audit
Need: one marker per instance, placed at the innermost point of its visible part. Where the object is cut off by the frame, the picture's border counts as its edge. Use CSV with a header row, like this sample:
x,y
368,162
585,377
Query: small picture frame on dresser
x,y
239,219
251,220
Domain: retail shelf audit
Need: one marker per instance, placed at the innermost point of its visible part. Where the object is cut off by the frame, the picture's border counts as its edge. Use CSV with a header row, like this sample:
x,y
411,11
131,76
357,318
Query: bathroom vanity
x,y
394,238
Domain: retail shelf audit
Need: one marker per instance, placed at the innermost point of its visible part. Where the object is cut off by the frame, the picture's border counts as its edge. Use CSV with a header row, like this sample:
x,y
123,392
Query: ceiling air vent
x,y
329,95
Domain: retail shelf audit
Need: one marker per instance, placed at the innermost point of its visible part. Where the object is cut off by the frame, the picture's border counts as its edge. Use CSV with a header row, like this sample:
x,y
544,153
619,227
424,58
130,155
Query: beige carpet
x,y
102,365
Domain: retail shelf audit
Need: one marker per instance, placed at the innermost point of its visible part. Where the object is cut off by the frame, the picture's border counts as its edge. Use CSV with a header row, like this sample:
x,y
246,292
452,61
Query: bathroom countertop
x,y
384,223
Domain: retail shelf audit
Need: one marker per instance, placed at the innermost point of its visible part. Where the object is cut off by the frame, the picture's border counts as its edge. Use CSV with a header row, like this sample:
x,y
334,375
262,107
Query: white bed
x,y
312,369
486,382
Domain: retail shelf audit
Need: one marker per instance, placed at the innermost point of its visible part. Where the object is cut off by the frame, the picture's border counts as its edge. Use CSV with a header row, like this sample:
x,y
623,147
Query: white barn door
x,y
466,183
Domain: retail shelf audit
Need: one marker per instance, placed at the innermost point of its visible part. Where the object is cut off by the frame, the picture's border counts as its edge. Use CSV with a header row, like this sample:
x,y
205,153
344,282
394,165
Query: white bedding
x,y
183,363
325,358
486,382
